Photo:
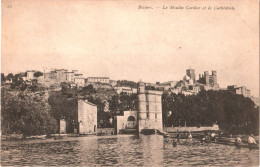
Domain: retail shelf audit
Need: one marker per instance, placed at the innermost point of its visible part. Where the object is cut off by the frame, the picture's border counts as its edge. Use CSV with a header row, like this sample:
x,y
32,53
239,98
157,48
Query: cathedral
x,y
209,80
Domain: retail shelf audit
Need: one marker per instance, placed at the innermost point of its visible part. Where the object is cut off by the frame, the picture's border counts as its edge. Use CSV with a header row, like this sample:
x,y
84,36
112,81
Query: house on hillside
x,y
80,81
98,79
87,117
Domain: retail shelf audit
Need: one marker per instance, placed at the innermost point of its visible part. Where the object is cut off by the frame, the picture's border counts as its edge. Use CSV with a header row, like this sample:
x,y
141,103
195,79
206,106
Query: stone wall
x,y
191,129
123,123
105,131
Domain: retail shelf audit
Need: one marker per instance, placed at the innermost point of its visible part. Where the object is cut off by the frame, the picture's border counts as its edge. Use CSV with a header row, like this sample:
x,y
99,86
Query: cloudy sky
x,y
116,39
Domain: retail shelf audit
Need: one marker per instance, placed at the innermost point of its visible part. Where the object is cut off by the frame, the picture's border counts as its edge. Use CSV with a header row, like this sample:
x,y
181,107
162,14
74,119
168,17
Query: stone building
x,y
28,75
62,75
187,81
80,81
191,73
127,121
150,109
240,90
69,76
192,90
98,79
149,114
87,117
125,89
209,80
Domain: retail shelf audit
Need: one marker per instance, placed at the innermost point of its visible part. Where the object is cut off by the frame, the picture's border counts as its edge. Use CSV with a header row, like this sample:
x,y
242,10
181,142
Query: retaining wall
x,y
191,129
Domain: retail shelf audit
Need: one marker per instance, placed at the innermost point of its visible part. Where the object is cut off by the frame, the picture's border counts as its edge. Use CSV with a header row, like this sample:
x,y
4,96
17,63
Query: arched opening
x,y
131,122
131,118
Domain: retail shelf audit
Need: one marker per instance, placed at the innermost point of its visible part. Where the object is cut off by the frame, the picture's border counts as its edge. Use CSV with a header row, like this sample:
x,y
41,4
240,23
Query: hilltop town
x,y
188,85
69,102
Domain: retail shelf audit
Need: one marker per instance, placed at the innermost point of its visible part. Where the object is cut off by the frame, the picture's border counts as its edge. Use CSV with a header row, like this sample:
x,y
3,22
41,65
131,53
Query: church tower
x,y
191,73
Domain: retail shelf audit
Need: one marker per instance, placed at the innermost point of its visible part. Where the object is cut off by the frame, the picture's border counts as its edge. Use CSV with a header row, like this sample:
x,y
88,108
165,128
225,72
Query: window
x,y
155,117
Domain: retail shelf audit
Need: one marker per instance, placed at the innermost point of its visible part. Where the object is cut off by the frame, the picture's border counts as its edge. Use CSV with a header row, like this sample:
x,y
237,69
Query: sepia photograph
x,y
129,83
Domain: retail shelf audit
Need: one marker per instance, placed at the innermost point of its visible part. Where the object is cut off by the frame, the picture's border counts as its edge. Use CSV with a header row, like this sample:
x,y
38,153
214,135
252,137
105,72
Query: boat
x,y
238,145
41,136
36,137
59,136
16,136
164,134
128,131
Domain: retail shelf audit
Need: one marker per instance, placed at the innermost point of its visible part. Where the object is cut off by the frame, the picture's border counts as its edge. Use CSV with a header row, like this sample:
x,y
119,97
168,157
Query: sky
x,y
116,39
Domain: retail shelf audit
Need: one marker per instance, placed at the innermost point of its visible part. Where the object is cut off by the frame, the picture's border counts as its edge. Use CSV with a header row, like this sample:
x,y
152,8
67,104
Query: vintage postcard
x,y
130,83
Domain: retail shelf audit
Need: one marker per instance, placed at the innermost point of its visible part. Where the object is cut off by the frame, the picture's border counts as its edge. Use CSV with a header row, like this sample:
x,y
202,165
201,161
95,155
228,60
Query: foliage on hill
x,y
38,74
20,85
123,102
232,112
131,84
26,113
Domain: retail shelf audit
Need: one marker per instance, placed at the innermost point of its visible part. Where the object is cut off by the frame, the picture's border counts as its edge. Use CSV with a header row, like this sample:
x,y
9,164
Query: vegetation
x,y
3,78
64,106
131,84
123,102
20,85
230,111
25,113
38,74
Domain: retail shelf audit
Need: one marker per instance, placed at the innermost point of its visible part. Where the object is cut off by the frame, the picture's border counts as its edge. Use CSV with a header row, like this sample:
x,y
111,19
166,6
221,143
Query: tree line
x,y
233,113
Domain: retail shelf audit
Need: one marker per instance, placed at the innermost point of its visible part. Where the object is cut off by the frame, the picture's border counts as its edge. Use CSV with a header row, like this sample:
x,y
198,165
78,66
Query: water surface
x,y
126,150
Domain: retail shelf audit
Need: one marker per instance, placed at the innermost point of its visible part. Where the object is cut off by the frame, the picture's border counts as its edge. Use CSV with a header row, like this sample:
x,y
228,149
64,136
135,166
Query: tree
x,y
89,89
2,77
9,76
64,106
131,84
26,113
150,88
38,74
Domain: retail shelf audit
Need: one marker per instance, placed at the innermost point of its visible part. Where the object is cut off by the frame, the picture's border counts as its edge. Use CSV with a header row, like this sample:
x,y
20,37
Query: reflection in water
x,y
126,150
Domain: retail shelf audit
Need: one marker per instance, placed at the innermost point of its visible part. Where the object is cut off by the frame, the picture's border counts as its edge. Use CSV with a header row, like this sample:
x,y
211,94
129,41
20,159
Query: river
x,y
125,150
